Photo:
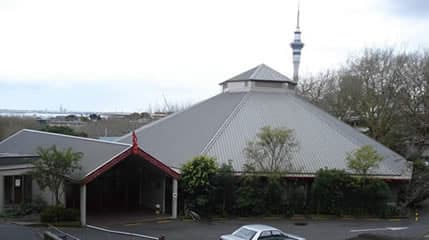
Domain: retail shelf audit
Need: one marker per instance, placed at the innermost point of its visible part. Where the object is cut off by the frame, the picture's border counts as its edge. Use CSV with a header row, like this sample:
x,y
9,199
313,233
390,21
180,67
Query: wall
x,y
46,195
236,86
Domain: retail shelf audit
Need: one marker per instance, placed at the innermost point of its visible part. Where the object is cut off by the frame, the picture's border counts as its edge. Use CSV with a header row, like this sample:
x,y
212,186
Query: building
x,y
113,176
222,125
142,170
131,175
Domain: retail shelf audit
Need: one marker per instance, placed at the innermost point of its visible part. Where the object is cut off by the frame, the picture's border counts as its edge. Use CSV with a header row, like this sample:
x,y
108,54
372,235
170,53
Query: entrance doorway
x,y
18,189
131,185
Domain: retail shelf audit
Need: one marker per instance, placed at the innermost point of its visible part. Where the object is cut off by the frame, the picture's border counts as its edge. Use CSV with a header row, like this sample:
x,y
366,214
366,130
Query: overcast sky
x,y
126,55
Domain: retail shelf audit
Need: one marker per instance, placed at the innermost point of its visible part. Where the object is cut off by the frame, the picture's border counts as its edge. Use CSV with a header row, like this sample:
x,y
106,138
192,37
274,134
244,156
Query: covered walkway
x,y
133,186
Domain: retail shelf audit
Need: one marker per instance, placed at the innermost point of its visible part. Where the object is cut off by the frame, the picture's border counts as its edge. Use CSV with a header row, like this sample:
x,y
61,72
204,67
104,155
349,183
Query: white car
x,y
259,232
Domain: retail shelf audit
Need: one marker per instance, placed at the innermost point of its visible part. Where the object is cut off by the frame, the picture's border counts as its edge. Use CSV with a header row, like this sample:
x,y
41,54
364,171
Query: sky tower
x,y
296,46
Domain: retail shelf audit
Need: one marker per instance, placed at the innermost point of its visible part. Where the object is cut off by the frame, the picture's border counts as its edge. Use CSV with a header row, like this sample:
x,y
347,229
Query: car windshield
x,y
244,233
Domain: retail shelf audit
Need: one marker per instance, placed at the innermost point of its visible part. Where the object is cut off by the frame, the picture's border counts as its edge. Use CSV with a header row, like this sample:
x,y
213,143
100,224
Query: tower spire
x,y
296,46
297,18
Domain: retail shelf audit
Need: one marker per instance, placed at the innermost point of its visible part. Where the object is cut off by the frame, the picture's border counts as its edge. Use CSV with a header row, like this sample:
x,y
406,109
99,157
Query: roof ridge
x,y
347,136
74,137
163,119
12,135
105,162
224,125
258,68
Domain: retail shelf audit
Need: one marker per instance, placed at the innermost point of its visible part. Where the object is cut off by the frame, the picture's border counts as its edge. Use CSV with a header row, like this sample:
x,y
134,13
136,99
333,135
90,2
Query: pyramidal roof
x,y
222,125
261,72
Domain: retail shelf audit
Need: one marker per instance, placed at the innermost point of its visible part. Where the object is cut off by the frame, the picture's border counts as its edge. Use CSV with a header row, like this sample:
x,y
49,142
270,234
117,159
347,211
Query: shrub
x,y
250,196
273,192
224,184
59,214
197,182
329,191
25,208
38,204
335,192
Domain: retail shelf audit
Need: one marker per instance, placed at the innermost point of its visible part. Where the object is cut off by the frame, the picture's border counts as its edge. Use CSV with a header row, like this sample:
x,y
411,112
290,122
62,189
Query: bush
x,y
25,208
273,192
329,190
59,214
335,192
17,211
250,196
224,184
38,204
197,183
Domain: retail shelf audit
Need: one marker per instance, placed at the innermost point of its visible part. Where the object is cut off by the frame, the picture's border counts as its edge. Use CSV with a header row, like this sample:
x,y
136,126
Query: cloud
x,y
413,9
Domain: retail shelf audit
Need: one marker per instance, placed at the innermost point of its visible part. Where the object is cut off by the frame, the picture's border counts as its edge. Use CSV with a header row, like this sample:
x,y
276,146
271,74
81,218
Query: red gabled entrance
x,y
133,150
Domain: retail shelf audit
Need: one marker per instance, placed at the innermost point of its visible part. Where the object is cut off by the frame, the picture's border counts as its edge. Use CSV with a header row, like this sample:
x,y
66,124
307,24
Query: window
x,y
244,233
269,84
272,235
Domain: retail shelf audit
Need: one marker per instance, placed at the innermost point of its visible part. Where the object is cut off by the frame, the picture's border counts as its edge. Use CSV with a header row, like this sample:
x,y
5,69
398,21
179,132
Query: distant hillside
x,y
10,125
94,129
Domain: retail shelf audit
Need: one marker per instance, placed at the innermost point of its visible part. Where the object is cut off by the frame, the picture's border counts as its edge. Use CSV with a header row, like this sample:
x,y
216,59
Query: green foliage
x,y
17,211
256,195
54,167
26,208
250,196
272,149
336,192
63,130
363,160
329,190
59,214
197,183
224,185
273,194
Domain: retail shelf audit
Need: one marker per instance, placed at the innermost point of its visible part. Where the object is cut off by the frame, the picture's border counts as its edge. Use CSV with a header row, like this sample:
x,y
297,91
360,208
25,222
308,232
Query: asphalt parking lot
x,y
326,229
16,232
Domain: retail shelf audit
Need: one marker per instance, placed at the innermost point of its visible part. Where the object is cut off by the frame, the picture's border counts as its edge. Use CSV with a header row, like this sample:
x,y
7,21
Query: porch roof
x,y
97,154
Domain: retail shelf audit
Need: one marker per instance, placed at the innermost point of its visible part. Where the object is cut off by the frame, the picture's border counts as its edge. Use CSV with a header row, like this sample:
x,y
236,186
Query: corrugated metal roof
x,y
324,140
222,125
260,73
179,137
95,152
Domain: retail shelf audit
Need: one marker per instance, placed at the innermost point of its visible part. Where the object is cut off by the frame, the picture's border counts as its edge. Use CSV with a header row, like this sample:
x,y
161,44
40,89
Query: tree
x,y
383,90
54,168
362,160
272,150
418,189
197,182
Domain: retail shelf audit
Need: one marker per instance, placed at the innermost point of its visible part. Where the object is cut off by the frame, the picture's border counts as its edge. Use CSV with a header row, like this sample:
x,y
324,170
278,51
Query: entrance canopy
x,y
130,152
98,155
